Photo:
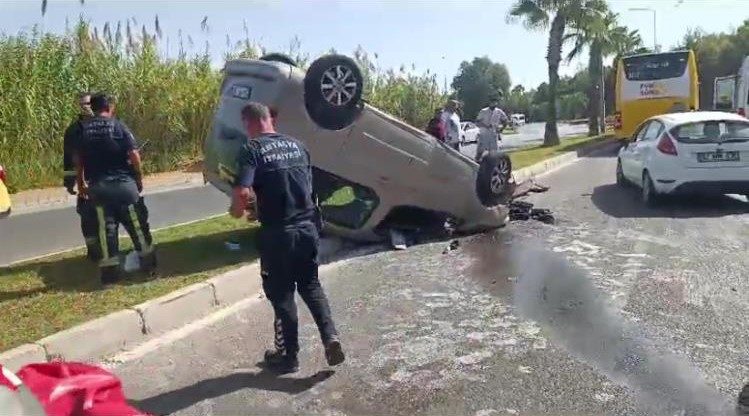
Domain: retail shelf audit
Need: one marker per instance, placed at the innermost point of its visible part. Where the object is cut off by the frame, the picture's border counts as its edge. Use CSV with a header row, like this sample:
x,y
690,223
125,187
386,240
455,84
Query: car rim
x,y
498,176
338,85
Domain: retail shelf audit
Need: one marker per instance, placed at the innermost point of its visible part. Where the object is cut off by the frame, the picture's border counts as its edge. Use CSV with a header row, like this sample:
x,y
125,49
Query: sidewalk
x,y
50,198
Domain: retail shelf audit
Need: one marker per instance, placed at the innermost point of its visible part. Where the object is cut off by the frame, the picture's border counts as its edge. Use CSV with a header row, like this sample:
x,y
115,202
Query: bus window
x,y
655,67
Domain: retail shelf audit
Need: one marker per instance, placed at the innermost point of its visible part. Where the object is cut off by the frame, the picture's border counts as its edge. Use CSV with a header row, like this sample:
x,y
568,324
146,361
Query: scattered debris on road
x,y
523,210
453,246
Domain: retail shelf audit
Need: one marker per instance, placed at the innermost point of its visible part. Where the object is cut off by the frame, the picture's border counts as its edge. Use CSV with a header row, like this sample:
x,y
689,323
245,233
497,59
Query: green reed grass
x,y
167,101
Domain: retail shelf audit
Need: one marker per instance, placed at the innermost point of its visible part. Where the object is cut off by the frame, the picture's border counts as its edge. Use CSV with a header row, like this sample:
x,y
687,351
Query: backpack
x,y
63,389
436,128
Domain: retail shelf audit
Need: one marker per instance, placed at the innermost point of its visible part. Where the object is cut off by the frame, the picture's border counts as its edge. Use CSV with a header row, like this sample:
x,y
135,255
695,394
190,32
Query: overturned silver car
x,y
372,172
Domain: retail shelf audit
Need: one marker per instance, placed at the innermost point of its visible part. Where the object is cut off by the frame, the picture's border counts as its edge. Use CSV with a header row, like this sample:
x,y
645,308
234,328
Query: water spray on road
x,y
563,300
578,316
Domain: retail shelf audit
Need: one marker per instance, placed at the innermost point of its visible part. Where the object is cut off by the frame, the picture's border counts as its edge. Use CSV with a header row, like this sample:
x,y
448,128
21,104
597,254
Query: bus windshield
x,y
656,66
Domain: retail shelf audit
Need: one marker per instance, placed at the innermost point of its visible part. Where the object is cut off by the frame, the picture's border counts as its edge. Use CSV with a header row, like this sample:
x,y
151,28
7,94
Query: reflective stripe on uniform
x,y
226,173
68,173
278,340
102,233
144,247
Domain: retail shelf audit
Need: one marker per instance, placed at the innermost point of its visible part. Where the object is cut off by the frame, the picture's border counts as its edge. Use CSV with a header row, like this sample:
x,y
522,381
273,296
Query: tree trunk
x,y
553,58
595,61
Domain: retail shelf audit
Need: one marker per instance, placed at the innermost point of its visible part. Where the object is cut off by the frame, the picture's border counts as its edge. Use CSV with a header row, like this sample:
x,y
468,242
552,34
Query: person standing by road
x,y
108,172
453,131
491,120
436,126
83,207
275,170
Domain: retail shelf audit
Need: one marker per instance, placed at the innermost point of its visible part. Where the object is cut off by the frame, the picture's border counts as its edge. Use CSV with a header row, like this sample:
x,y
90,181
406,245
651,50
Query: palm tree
x,y
603,37
556,16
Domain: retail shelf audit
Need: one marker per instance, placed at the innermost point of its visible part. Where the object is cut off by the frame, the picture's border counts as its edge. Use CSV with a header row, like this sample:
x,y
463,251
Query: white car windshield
x,y
712,131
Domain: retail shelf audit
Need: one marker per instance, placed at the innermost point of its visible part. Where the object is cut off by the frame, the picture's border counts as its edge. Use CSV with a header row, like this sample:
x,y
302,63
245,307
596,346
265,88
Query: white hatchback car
x,y
470,133
692,153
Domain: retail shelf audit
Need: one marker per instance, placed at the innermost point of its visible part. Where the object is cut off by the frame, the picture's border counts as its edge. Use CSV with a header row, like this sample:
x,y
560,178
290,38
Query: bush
x,y
168,102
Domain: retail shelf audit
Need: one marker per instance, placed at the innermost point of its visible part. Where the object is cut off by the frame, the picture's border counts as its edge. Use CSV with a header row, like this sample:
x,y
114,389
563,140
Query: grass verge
x,y
45,296
529,156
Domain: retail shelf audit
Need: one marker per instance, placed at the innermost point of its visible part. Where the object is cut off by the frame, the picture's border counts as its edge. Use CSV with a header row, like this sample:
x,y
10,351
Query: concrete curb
x,y
556,162
62,199
92,340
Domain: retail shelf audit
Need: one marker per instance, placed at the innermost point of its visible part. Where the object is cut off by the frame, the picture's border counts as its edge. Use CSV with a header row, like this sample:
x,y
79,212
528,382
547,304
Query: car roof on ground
x,y
698,116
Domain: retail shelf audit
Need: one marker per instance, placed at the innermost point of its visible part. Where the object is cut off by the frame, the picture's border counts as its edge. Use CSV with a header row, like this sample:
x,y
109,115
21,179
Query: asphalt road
x,y
528,135
44,232
615,310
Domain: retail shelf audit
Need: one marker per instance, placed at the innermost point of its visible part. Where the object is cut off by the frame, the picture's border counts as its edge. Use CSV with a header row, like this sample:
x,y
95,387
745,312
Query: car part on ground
x,y
524,211
371,171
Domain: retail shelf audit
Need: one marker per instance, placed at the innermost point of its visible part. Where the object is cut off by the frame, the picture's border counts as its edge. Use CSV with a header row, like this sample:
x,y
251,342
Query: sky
x,y
429,34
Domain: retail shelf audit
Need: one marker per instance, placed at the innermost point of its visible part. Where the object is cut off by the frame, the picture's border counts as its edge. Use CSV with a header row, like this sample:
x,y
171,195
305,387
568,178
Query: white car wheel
x,y
649,194
620,179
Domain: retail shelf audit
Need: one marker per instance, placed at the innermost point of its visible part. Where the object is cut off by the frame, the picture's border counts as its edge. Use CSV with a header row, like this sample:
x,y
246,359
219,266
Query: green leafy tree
x,y
476,81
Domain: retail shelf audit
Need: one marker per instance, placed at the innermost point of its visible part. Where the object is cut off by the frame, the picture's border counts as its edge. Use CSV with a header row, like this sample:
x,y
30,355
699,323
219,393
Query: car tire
x,y
279,57
649,194
620,179
341,77
494,179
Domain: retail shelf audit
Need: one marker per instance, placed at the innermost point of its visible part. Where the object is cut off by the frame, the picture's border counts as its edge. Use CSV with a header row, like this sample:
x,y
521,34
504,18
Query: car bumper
x,y
704,181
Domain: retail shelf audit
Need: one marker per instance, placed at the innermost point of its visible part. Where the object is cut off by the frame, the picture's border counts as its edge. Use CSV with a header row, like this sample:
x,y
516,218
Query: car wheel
x,y
333,91
494,181
649,194
619,173
279,57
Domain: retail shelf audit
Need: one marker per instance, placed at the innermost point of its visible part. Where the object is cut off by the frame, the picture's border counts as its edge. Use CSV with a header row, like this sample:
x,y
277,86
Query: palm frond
x,y
533,14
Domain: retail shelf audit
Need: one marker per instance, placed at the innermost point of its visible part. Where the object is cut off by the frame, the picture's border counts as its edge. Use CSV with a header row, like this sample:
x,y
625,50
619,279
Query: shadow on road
x,y
620,202
176,400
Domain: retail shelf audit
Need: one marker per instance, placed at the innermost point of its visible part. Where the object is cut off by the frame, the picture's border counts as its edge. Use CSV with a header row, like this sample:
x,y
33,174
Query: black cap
x,y
101,102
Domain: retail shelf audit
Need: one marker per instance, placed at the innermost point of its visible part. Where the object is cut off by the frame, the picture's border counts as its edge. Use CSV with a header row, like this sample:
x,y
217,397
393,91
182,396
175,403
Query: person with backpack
x,y
436,127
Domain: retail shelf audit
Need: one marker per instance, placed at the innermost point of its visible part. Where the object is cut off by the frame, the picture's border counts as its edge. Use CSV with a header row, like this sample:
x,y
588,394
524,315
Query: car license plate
x,y
241,92
718,157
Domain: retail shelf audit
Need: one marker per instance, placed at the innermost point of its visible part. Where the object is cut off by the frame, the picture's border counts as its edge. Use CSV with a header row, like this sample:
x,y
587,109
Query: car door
x,y
627,154
645,149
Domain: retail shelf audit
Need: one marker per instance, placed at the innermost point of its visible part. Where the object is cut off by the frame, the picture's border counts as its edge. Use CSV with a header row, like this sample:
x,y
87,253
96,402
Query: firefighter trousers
x,y
288,263
89,227
117,201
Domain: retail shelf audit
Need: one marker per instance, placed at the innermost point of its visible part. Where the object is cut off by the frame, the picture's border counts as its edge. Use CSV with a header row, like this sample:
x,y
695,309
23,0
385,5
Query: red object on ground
x,y
76,389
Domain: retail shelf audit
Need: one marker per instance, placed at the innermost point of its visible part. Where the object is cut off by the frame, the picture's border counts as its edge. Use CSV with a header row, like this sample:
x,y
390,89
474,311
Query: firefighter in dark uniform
x,y
108,158
276,169
83,207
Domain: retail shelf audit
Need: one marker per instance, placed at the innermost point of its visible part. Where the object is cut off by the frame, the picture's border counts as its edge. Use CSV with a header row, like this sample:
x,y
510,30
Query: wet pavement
x,y
617,309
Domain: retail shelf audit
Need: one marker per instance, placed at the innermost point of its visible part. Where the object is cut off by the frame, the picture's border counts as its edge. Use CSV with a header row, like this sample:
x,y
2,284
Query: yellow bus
x,y
651,84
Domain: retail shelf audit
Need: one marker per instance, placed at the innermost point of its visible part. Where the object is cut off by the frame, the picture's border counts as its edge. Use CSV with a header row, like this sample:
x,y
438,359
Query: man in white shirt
x,y
489,121
453,131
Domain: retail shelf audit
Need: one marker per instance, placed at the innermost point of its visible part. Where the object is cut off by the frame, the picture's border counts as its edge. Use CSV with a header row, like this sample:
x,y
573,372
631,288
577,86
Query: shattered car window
x,y
342,202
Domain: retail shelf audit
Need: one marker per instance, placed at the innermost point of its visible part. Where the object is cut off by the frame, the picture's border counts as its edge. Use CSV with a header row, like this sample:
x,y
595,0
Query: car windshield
x,y
712,131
